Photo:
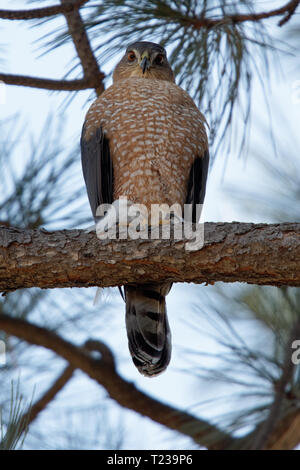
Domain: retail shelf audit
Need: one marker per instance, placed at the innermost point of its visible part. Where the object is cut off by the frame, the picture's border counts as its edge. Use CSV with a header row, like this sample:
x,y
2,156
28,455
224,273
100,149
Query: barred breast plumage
x,y
155,131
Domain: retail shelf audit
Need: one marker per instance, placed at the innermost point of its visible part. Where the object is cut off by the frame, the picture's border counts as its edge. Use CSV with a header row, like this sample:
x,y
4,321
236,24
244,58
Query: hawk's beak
x,y
145,63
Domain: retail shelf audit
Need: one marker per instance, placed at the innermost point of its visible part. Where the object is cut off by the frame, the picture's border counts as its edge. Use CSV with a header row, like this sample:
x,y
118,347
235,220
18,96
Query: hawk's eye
x,y
159,59
131,56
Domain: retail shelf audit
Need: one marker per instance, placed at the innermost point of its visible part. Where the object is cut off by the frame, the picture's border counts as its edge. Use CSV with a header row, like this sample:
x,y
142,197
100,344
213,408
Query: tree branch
x,y
276,409
286,435
125,393
45,83
48,396
92,76
83,48
62,380
233,252
288,10
41,12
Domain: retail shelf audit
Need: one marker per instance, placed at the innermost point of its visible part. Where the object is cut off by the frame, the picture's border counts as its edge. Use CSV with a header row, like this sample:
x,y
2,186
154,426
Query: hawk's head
x,y
145,60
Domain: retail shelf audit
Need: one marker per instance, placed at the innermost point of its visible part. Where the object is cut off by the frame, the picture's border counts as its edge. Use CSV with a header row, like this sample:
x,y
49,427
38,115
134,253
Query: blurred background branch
x,y
67,7
231,342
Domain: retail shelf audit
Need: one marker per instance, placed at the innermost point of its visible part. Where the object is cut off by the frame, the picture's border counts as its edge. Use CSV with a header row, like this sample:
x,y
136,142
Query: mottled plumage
x,y
145,139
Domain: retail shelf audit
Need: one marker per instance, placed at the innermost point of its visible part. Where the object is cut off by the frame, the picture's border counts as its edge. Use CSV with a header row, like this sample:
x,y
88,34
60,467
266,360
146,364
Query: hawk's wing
x,y
197,183
97,168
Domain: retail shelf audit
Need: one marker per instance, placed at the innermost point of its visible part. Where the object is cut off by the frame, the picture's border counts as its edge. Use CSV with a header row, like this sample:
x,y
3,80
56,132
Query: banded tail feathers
x,y
148,331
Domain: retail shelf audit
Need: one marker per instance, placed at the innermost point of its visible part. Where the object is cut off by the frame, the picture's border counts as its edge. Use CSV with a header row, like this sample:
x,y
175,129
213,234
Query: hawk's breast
x,y
155,132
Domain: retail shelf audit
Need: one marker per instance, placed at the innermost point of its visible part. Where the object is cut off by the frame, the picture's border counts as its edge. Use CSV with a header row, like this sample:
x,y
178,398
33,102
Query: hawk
x,y
145,139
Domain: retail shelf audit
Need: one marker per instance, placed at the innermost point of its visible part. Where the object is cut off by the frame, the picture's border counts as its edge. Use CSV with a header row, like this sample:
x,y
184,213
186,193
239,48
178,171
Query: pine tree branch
x,y
92,75
233,252
47,397
288,10
123,392
292,6
286,435
62,380
41,12
47,84
83,48
105,352
263,435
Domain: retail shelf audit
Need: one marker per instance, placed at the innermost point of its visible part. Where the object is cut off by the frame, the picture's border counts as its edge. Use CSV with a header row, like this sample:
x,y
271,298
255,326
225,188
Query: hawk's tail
x,y
148,331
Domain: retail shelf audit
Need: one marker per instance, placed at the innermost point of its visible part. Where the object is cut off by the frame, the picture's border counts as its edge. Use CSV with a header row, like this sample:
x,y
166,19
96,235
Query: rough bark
x,y
253,253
